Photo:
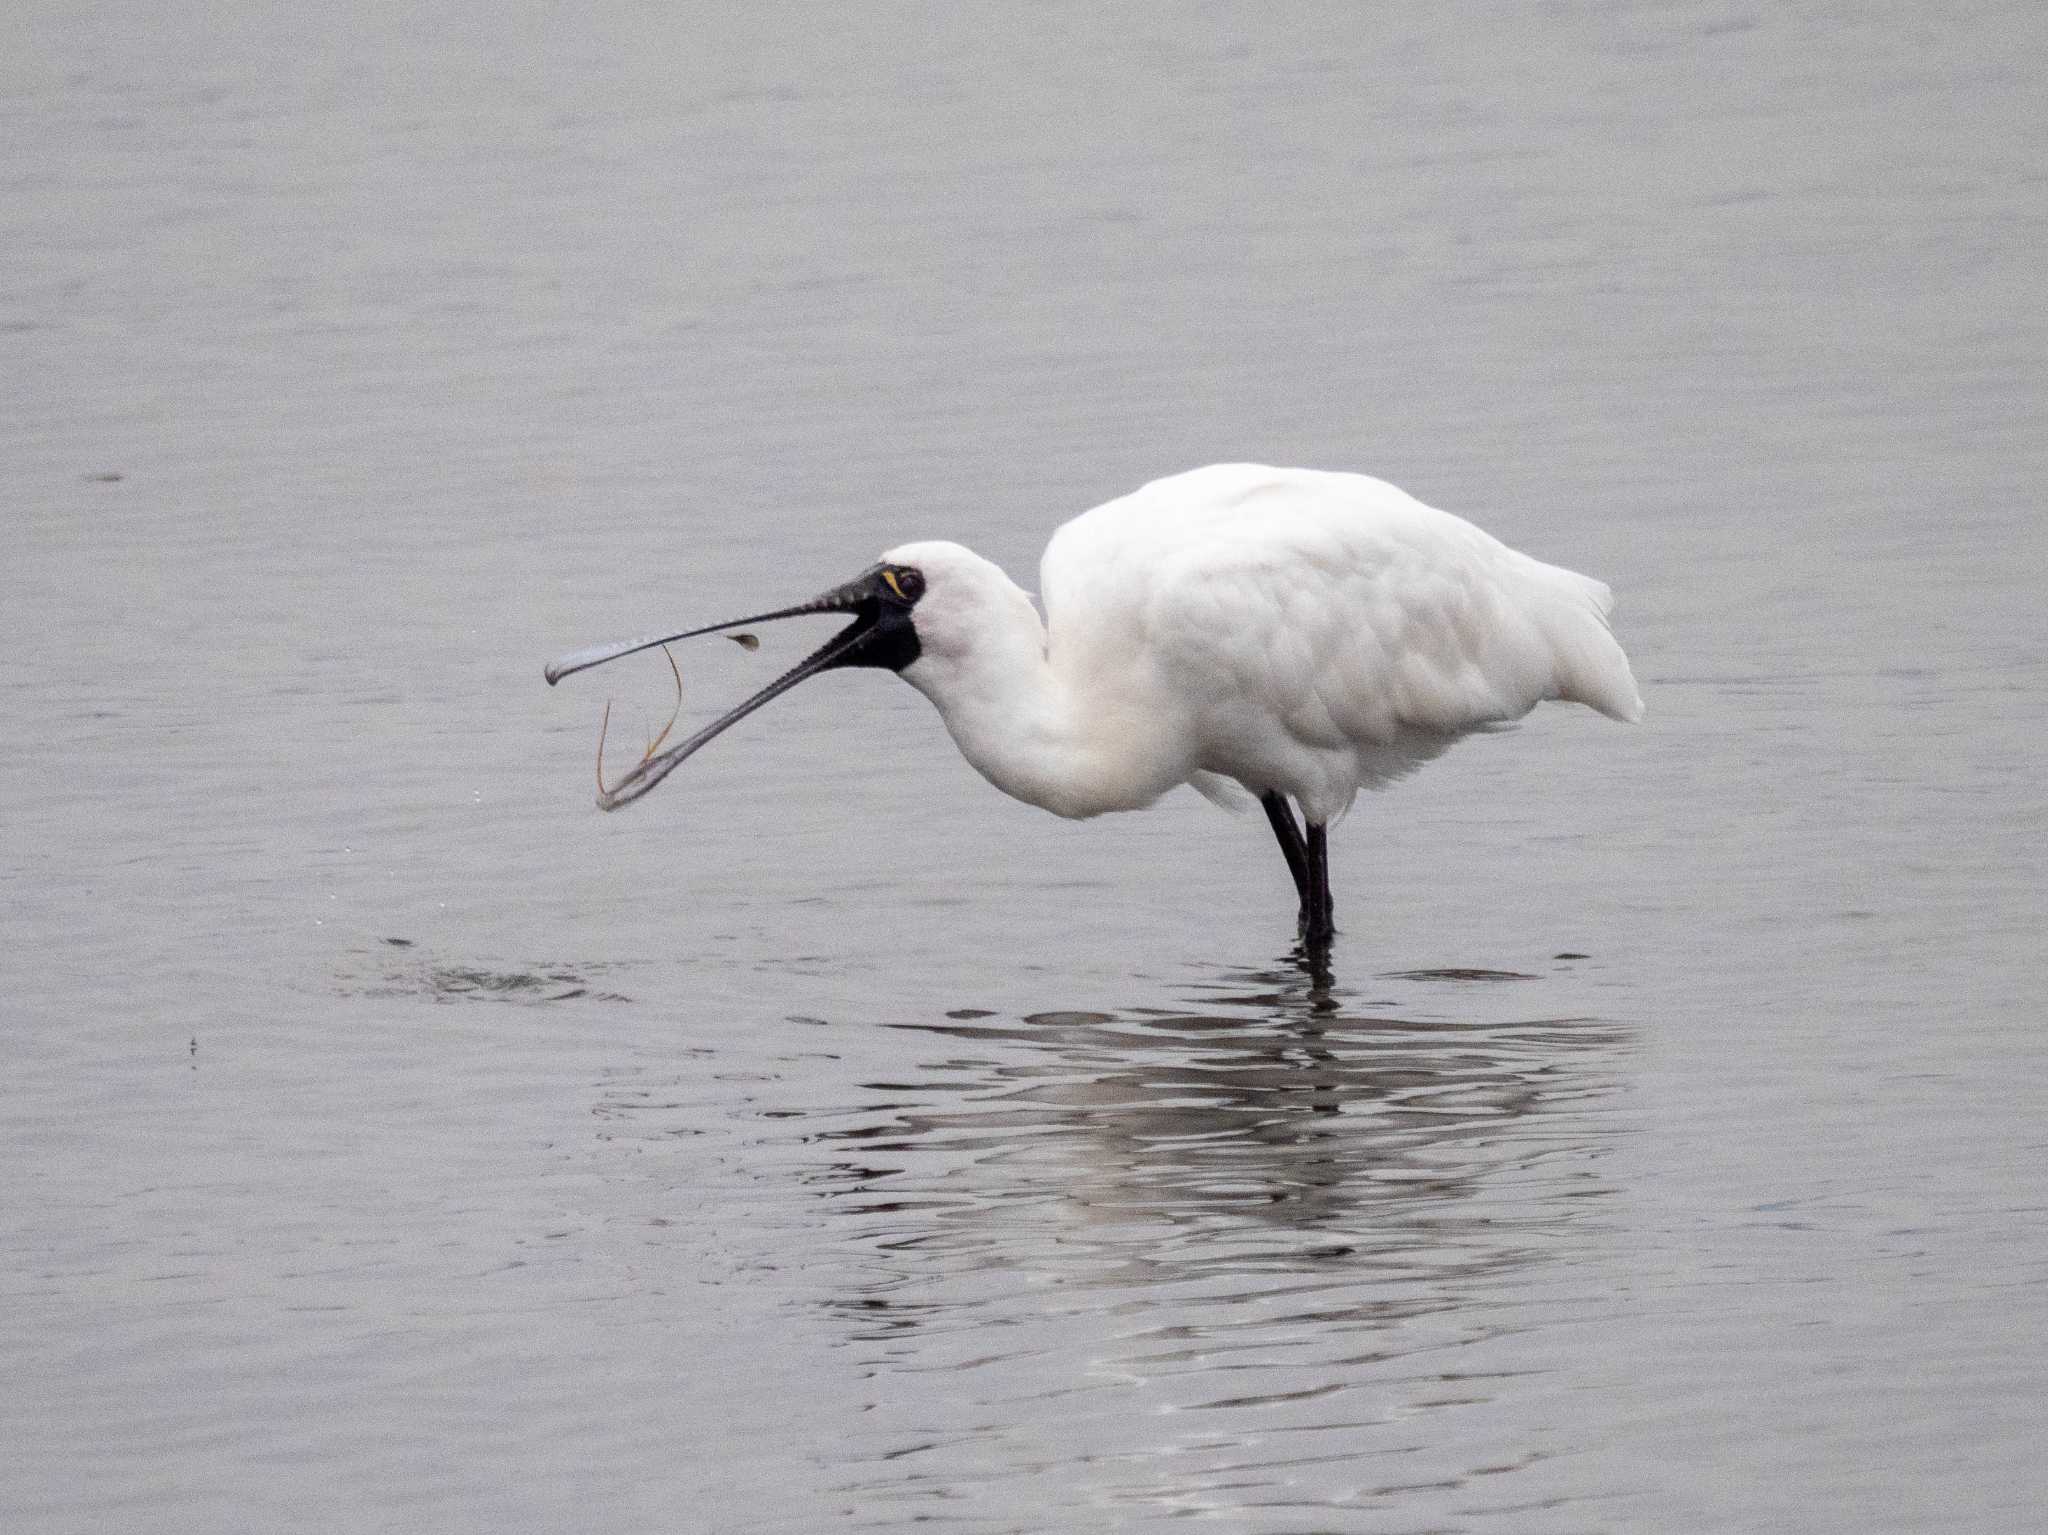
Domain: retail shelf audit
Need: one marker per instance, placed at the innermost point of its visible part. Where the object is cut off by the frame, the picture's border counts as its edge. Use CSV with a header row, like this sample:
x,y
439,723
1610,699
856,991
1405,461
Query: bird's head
x,y
967,616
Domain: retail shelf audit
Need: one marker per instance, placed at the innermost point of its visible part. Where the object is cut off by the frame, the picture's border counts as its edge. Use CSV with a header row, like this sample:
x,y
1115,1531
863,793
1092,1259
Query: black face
x,y
891,638
881,634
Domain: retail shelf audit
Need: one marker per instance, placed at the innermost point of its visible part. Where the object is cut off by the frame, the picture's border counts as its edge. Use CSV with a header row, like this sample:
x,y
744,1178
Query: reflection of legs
x,y
1318,915
1281,814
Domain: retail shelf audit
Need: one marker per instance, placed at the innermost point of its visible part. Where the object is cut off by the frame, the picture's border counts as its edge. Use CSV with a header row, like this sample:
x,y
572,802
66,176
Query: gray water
x,y
393,1142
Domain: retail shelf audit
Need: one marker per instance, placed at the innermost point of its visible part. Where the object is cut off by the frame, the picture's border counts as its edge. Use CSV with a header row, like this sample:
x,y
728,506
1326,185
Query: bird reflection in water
x,y
1258,1203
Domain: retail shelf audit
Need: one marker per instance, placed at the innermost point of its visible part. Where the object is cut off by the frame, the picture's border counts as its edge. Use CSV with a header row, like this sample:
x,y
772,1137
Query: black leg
x,y
1321,926
1281,814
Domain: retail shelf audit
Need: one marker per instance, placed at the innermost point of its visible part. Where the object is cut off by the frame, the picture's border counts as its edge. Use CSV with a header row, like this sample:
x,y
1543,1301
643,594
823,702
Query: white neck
x,y
1033,733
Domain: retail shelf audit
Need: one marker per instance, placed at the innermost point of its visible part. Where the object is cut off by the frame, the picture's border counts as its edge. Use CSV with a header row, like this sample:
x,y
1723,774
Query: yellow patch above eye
x,y
894,586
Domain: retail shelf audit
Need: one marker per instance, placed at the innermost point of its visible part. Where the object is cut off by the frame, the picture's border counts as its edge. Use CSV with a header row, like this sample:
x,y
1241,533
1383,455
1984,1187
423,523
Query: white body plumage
x,y
1294,631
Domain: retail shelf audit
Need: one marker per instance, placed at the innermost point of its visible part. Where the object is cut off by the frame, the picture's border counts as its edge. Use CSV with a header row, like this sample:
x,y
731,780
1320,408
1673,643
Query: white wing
x,y
1297,615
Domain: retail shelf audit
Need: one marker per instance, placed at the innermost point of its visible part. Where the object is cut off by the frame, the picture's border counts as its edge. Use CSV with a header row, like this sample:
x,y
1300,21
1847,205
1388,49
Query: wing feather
x,y
1332,610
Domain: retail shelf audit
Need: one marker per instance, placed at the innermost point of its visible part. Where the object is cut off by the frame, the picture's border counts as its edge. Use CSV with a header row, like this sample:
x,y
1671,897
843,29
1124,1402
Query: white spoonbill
x,y
1304,634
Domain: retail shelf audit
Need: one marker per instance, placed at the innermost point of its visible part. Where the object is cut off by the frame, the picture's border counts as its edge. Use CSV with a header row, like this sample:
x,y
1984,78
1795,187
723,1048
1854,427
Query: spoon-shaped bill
x,y
654,769
880,635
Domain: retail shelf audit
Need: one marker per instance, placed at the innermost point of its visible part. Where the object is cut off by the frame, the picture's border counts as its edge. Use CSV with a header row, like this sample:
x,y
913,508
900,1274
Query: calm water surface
x,y
393,1142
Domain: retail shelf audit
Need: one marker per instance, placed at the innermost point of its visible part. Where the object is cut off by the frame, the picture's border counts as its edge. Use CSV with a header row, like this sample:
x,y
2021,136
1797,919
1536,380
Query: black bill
x,y
881,634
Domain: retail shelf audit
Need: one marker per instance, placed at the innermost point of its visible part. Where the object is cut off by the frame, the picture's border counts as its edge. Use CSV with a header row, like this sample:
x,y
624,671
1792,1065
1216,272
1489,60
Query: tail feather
x,y
1589,664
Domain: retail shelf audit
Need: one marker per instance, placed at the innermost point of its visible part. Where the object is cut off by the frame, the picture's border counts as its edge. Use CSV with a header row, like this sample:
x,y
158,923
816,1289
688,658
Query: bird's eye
x,y
909,584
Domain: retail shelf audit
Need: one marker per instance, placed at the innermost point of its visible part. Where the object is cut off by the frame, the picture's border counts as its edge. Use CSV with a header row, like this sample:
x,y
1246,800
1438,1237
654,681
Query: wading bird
x,y
1303,634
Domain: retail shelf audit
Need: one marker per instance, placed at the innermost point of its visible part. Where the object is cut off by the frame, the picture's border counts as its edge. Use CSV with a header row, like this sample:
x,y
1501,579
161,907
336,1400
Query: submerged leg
x,y
1281,814
1319,925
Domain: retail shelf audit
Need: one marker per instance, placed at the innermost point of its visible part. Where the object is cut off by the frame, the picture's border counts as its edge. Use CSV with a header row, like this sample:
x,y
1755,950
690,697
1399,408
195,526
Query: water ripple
x,y
1244,1244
